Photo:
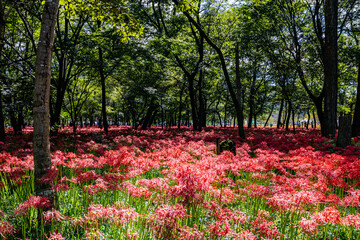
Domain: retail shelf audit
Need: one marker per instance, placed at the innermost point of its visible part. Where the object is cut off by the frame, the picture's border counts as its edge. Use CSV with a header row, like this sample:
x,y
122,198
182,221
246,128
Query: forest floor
x,y
170,184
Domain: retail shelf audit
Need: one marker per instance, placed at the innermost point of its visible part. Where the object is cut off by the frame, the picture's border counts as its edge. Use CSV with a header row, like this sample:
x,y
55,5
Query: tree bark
x,y
280,113
288,115
344,136
330,60
42,158
148,115
2,42
267,120
103,89
356,120
2,127
240,113
180,106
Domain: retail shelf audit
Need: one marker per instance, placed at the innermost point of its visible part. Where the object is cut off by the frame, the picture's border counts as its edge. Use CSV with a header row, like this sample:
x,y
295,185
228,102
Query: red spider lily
x,y
53,216
165,219
6,229
56,236
34,201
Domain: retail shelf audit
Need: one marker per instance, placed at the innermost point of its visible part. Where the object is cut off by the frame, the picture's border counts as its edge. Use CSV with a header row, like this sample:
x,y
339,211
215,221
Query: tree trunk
x,y
42,158
240,113
356,120
344,136
314,119
330,60
180,106
280,113
288,115
103,88
201,110
293,120
193,102
149,112
267,120
2,127
2,42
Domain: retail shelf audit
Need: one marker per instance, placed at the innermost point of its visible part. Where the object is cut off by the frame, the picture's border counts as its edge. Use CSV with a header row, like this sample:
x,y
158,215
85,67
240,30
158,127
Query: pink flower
x,y
6,229
33,201
352,220
329,215
245,235
56,236
188,233
165,219
309,226
53,216
220,229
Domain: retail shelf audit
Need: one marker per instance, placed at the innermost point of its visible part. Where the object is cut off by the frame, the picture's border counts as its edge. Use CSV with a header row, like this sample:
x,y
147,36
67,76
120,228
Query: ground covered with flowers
x,y
170,184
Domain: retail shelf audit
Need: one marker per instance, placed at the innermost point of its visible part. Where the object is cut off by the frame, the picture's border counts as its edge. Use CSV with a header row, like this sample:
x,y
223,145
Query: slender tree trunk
x,y
148,115
42,158
201,102
103,88
2,127
293,120
193,102
267,120
180,107
330,69
288,115
356,120
2,42
240,113
280,113
307,123
314,119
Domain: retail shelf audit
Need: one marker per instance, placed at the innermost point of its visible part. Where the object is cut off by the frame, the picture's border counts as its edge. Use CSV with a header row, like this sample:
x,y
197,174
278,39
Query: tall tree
x,y
4,13
233,95
330,61
42,158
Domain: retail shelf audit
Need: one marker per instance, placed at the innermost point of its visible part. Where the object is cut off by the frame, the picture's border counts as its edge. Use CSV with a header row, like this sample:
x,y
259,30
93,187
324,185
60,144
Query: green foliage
x,y
111,12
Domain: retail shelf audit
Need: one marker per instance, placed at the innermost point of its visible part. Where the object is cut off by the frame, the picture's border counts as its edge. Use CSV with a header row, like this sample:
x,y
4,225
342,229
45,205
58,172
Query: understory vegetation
x,y
169,184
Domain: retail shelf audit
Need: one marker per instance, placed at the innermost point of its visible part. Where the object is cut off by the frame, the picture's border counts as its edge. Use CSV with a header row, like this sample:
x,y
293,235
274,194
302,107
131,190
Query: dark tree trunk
x,y
288,115
180,106
252,99
103,90
330,60
280,113
308,120
42,158
356,120
293,119
152,118
344,136
2,42
81,121
193,102
239,97
2,127
74,125
201,111
148,115
218,113
314,119
267,120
